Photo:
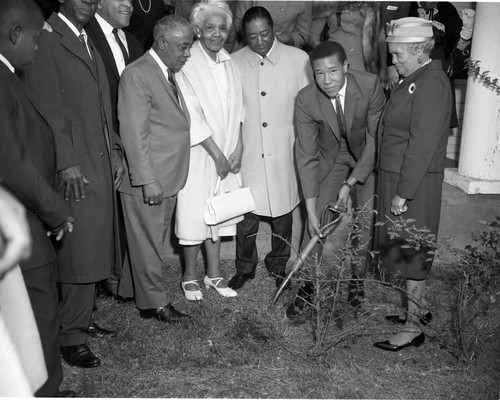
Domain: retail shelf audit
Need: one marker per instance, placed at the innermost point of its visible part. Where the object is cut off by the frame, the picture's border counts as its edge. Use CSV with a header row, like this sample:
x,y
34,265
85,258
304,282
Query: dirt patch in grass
x,y
239,348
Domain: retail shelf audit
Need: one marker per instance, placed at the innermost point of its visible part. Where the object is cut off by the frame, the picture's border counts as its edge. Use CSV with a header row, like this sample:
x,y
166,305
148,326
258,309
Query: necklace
x,y
142,8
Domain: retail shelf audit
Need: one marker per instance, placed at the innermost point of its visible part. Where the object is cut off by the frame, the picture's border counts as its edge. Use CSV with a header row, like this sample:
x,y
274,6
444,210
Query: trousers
x,y
246,249
362,196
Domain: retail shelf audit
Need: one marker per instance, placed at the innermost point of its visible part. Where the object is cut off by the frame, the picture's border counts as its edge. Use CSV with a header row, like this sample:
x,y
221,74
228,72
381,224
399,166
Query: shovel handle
x,y
325,230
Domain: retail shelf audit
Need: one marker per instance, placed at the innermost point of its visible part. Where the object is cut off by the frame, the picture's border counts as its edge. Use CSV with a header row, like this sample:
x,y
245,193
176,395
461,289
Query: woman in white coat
x,y
211,86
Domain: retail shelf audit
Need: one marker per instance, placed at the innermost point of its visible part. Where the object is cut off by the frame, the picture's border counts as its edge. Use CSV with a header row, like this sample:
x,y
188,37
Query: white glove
x,y
468,23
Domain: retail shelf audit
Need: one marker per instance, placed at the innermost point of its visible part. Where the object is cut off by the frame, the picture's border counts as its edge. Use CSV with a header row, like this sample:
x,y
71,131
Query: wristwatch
x,y
345,183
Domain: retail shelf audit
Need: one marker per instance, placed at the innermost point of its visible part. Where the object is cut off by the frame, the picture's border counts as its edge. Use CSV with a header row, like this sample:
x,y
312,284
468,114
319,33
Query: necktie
x,y
120,44
171,80
340,116
82,39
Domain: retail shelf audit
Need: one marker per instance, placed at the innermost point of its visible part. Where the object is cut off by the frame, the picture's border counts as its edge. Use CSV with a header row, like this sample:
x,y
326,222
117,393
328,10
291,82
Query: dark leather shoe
x,y
238,281
165,314
65,393
386,345
97,332
80,356
396,319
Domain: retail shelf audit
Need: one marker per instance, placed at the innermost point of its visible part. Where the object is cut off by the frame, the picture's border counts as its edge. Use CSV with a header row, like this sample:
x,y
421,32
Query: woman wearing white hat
x,y
413,134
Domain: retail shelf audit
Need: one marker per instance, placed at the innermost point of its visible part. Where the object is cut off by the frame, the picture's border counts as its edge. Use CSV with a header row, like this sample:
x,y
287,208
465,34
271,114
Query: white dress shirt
x,y
107,29
342,97
76,31
7,63
160,63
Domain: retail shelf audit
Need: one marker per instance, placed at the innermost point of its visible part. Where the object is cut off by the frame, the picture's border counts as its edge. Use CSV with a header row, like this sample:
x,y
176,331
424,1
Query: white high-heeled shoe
x,y
192,295
226,292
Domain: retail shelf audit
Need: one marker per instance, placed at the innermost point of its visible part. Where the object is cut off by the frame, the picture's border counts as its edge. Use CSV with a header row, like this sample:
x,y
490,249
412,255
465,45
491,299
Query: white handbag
x,y
229,205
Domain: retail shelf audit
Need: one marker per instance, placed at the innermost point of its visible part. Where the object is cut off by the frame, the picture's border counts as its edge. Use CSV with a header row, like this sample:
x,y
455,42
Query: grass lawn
x,y
238,348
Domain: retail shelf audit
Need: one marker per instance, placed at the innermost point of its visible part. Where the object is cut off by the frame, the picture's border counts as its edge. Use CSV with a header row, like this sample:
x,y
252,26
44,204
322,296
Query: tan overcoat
x,y
270,87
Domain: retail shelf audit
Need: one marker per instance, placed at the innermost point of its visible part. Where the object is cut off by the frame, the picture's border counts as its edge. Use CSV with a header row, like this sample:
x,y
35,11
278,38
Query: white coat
x,y
210,116
270,86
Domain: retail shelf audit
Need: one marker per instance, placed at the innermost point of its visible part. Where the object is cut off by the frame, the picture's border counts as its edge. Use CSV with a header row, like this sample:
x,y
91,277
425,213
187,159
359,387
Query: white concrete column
x,y
479,163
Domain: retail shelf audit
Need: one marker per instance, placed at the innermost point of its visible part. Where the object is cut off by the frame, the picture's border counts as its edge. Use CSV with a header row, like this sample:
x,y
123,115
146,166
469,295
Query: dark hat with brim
x,y
409,30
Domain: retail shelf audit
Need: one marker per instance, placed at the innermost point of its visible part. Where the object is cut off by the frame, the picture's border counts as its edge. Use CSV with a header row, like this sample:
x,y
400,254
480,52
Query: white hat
x,y
409,30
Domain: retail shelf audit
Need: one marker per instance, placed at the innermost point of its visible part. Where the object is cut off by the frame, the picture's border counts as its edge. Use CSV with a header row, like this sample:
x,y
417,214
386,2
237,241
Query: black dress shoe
x,y
238,281
165,314
65,393
386,345
80,356
97,332
396,319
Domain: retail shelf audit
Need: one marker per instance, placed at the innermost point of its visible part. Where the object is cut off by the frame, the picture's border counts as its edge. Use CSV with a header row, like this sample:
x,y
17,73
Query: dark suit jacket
x,y
414,128
135,50
28,166
155,129
318,138
72,90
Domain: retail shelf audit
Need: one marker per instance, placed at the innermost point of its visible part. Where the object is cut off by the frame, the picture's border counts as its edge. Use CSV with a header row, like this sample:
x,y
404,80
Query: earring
x,y
419,59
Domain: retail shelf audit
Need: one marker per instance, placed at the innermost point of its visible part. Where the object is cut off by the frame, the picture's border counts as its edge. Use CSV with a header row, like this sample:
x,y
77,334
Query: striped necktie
x,y
171,80
83,39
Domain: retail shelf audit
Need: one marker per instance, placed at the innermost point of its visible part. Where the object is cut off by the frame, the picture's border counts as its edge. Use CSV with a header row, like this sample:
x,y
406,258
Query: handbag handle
x,y
238,179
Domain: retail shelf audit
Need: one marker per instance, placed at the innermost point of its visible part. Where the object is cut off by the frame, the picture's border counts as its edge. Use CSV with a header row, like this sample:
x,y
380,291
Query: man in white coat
x,y
272,74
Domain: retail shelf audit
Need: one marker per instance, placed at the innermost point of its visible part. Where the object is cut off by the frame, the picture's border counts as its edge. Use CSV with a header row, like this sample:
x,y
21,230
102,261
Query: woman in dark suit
x,y
413,135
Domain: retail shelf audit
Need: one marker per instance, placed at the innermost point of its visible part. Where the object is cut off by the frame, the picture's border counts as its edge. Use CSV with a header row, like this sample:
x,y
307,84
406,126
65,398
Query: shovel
x,y
330,218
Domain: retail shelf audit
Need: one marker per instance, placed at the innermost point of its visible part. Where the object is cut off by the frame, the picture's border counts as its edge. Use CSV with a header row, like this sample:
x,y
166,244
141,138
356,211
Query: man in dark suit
x,y
336,120
155,132
117,49
28,170
69,81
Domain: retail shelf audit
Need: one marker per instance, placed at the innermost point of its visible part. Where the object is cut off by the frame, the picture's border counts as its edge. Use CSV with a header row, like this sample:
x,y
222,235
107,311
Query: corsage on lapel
x,y
411,88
